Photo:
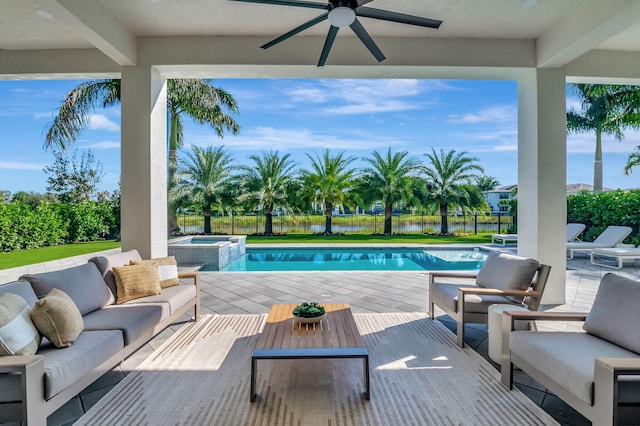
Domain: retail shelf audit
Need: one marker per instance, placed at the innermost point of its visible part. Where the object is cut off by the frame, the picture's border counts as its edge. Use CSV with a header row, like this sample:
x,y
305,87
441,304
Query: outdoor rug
x,y
419,376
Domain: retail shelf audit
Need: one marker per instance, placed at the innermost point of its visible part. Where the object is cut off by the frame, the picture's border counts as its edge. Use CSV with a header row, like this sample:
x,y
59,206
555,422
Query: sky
x,y
301,117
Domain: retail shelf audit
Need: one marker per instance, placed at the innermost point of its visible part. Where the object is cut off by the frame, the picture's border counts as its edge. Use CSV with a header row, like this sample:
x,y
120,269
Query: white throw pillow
x,y
18,335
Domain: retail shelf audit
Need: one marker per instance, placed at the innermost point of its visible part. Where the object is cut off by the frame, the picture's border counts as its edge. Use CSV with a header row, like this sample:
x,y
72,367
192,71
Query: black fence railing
x,y
402,223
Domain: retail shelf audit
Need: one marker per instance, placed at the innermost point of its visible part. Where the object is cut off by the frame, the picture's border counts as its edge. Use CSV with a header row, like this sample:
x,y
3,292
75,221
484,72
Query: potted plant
x,y
309,312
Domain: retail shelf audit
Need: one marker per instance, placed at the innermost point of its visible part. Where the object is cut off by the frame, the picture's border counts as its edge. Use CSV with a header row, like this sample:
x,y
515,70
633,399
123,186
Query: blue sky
x,y
308,116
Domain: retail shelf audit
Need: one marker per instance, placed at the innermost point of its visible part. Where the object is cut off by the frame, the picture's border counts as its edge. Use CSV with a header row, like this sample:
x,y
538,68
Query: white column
x,y
542,205
144,161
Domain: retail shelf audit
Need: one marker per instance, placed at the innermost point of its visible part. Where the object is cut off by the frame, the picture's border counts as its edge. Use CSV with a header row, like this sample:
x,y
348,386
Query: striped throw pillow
x,y
167,269
18,335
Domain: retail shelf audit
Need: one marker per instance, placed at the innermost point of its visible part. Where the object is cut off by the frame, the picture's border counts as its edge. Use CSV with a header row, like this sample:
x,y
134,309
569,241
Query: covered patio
x,y
539,44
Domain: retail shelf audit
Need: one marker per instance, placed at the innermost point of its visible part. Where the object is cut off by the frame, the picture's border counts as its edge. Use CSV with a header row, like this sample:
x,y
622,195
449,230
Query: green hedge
x,y
47,224
597,211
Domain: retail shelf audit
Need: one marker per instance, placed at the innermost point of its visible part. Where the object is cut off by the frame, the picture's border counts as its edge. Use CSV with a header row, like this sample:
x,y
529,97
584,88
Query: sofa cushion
x,y
507,272
18,335
167,269
446,296
57,318
22,289
175,297
615,314
106,263
568,358
63,367
135,321
83,284
136,281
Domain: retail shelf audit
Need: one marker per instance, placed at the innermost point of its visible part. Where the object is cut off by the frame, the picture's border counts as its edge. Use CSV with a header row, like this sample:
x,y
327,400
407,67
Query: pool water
x,y
356,259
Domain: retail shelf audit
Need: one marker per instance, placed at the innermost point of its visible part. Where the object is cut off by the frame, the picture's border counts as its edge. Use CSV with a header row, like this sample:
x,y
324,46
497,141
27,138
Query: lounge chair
x,y
503,279
610,237
573,230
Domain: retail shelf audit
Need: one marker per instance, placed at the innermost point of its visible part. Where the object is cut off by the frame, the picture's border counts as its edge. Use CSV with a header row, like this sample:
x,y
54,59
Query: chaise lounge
x,y
610,237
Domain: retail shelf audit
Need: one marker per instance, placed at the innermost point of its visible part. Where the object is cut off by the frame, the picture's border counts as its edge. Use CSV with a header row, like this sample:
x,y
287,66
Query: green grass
x,y
45,254
370,239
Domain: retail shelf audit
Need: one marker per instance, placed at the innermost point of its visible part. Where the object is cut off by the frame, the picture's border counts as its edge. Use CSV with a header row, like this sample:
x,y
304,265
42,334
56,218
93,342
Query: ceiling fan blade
x,y
296,3
363,2
364,36
296,30
331,36
385,15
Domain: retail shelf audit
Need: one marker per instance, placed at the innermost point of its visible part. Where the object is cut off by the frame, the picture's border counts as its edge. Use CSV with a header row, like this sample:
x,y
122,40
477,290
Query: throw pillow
x,y
507,272
18,335
614,314
136,281
58,318
167,269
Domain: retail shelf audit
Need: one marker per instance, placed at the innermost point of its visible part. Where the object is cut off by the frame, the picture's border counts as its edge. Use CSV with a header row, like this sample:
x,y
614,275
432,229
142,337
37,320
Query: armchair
x,y
503,279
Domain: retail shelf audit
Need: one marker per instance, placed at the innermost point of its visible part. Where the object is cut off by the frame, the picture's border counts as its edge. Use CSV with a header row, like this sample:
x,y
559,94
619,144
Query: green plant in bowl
x,y
308,310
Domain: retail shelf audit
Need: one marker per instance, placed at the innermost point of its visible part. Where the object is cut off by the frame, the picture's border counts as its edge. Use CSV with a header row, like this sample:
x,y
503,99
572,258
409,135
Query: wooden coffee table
x,y
336,336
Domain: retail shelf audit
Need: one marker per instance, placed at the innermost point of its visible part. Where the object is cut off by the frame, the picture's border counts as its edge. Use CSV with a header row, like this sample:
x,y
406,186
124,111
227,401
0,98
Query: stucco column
x,y
144,161
542,205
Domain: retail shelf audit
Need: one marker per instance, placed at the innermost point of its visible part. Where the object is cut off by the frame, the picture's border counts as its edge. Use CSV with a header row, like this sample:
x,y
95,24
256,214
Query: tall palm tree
x,y
389,179
206,179
197,98
449,177
606,109
328,182
268,183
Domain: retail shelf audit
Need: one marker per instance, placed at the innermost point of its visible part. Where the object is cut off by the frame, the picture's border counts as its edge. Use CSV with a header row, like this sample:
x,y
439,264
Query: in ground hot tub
x,y
213,251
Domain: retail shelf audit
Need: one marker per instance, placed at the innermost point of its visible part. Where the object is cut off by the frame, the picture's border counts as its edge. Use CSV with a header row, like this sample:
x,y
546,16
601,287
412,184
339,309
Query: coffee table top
x,y
336,330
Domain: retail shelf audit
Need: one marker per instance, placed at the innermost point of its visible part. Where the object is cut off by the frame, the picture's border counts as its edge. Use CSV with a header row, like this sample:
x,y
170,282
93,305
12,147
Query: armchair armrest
x,y
497,292
195,276
607,372
445,274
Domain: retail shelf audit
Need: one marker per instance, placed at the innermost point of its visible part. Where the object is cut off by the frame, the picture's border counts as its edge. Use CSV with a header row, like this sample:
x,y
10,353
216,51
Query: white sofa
x,y
597,371
34,386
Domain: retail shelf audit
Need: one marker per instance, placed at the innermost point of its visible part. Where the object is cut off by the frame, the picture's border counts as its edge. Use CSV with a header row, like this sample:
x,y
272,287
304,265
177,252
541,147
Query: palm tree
x,y
486,183
606,109
197,98
389,179
449,177
268,183
206,179
632,161
328,182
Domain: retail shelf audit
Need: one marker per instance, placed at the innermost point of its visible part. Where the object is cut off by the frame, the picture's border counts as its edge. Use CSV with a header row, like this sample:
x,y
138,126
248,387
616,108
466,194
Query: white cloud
x,y
102,122
372,108
104,145
495,114
14,165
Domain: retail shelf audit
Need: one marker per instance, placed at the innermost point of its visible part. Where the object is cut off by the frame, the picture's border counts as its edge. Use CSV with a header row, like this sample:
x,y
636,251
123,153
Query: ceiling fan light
x,y
342,16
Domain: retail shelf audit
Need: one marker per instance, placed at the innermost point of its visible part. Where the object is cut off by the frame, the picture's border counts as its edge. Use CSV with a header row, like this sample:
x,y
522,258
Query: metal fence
x,y
253,223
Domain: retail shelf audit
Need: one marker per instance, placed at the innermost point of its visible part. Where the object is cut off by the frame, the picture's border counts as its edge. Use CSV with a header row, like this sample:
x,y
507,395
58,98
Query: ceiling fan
x,y
342,13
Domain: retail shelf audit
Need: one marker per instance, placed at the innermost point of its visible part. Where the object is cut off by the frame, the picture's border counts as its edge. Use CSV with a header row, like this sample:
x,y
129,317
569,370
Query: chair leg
x,y
460,333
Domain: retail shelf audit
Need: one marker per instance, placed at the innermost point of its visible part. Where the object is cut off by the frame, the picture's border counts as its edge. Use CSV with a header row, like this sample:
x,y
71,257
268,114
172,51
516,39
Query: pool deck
x,y
365,291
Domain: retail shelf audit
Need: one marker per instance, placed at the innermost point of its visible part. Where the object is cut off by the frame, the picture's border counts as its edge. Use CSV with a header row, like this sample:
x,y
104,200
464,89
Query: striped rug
x,y
419,376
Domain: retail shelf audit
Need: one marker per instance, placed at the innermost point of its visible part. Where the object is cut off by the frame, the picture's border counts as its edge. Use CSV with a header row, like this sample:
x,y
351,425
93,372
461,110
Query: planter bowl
x,y
309,320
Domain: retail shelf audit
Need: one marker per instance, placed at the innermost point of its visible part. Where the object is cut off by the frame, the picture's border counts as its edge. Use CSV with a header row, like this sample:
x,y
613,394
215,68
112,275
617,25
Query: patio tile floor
x,y
372,291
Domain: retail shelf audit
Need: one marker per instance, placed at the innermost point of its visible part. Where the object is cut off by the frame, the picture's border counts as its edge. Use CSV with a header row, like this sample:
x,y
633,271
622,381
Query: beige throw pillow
x,y
57,318
18,335
136,281
167,269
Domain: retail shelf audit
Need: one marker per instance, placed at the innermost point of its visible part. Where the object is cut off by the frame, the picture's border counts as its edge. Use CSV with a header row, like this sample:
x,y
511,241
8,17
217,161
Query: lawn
x,y
45,254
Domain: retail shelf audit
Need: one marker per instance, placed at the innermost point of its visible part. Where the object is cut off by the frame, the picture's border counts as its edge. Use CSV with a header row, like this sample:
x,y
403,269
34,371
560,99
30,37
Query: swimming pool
x,y
356,259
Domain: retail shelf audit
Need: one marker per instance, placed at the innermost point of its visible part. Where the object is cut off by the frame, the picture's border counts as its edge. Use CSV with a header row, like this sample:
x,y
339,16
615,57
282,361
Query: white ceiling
x,y
562,30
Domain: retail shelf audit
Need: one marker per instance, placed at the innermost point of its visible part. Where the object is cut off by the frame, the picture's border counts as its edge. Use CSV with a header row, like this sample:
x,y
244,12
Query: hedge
x,y
47,224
